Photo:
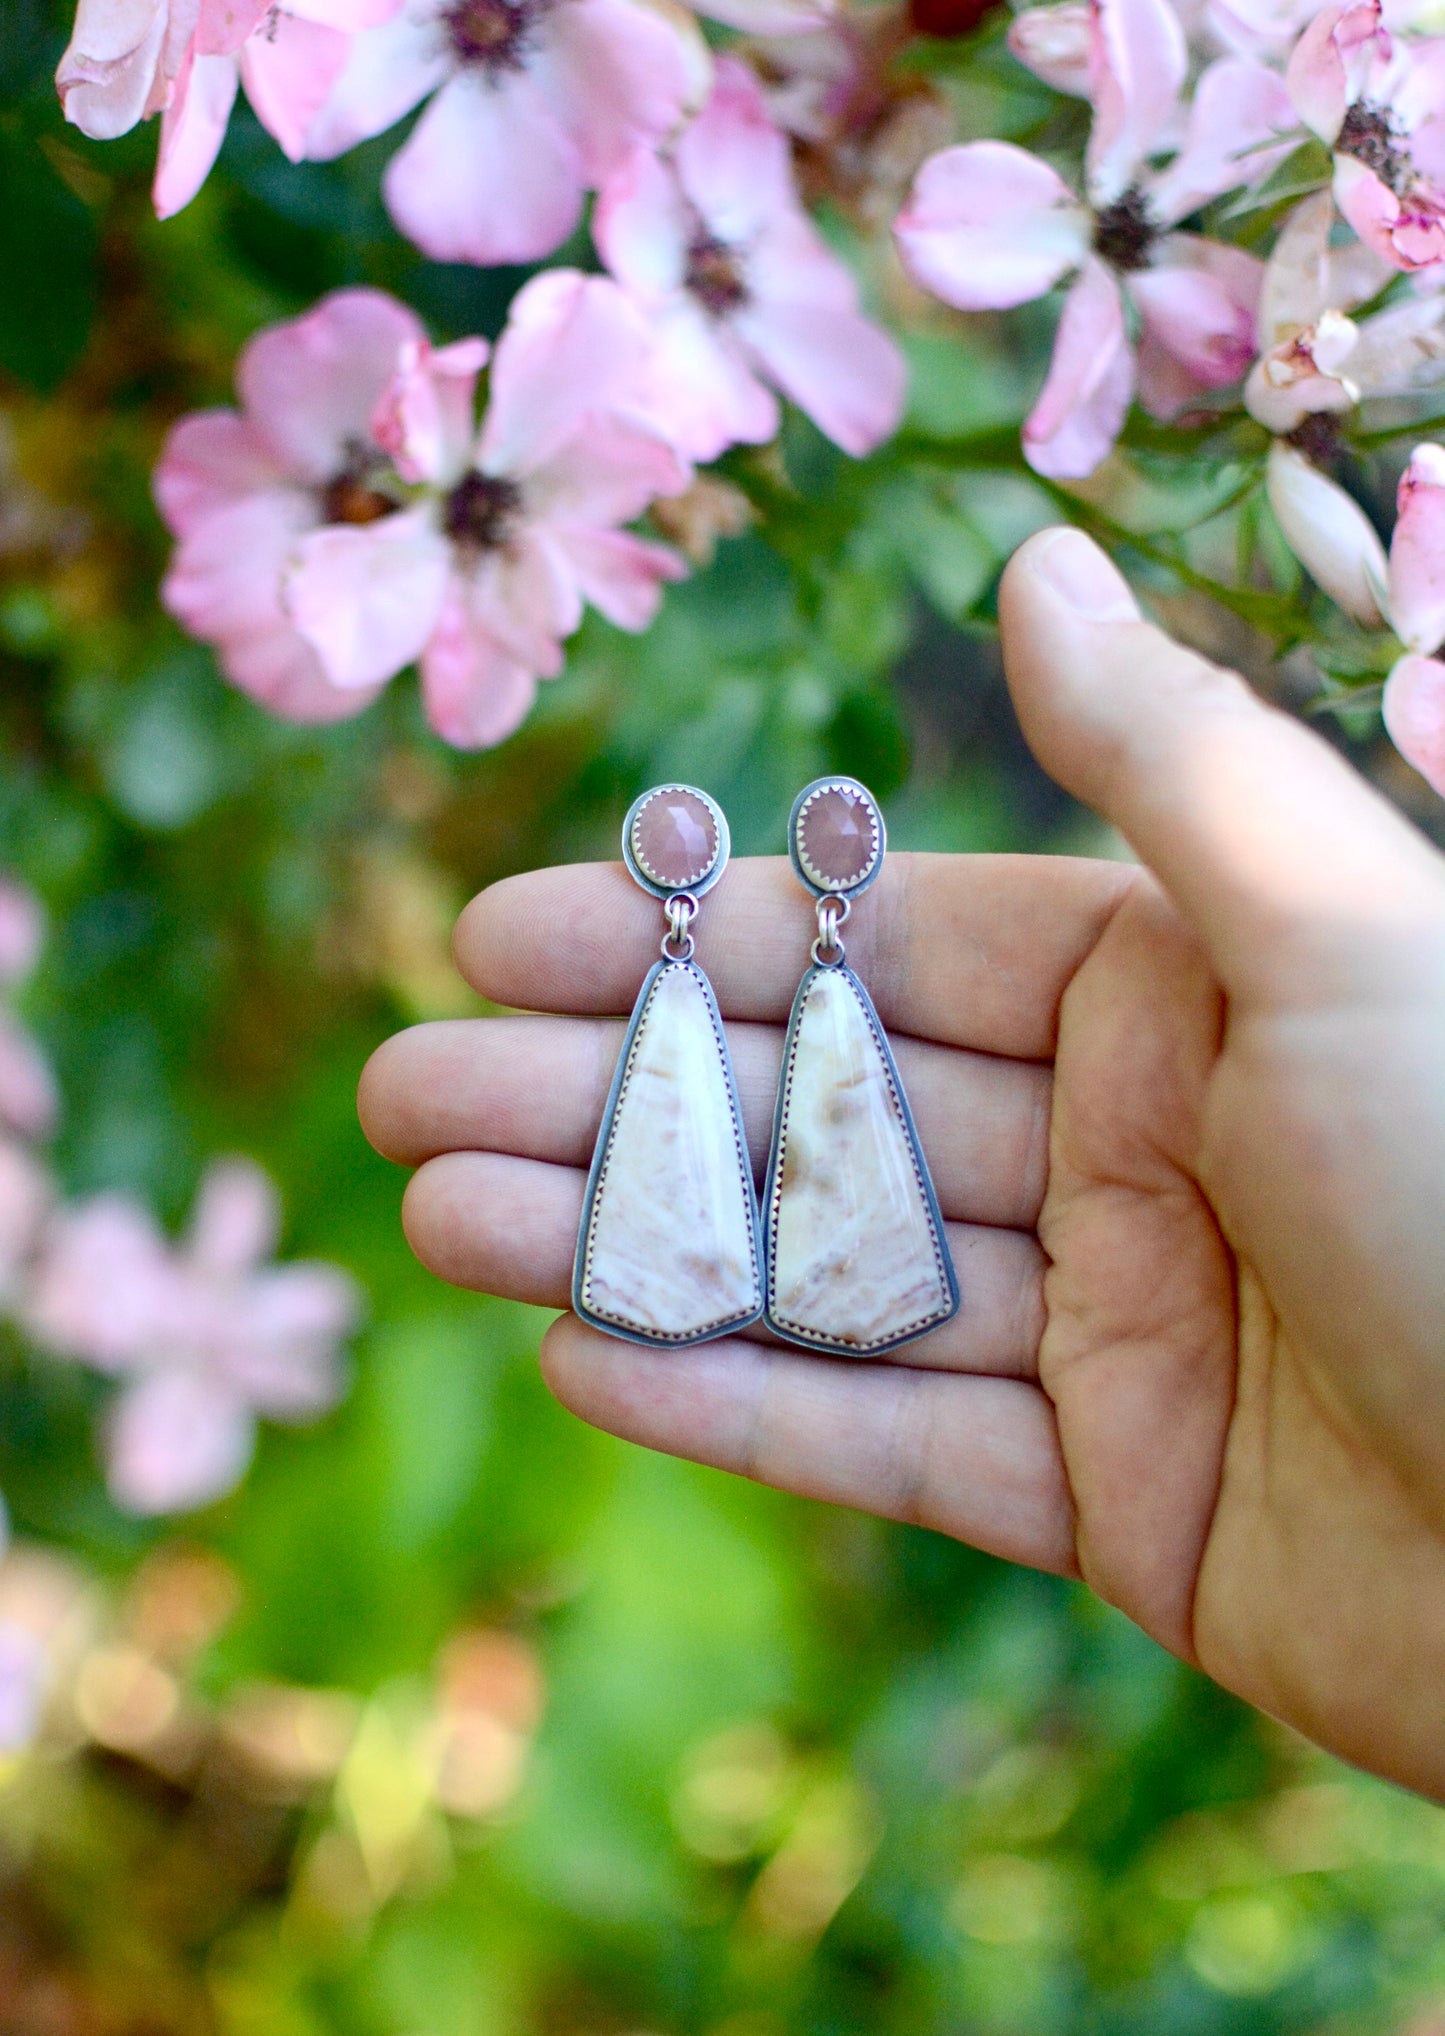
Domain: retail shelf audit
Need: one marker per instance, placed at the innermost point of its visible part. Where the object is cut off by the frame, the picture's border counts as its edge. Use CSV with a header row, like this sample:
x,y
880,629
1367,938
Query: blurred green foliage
x,y
793,1771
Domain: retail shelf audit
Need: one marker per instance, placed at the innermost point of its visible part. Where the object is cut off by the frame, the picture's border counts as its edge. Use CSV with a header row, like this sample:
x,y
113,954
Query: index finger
x,y
974,951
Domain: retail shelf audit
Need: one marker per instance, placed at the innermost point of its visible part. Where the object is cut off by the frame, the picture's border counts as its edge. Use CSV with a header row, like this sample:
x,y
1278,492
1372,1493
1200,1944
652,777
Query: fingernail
x,y
1079,573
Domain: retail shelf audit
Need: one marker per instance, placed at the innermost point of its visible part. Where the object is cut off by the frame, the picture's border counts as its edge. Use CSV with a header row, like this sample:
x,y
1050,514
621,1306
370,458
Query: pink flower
x,y
482,577
1378,100
740,290
1056,43
239,490
1317,360
184,59
1331,535
25,1197
353,520
1414,702
989,226
205,1336
288,57
28,1101
535,103
122,61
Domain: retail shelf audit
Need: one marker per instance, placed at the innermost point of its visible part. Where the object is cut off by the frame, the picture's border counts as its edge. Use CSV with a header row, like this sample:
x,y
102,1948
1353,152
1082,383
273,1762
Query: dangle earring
x,y
669,1249
856,1253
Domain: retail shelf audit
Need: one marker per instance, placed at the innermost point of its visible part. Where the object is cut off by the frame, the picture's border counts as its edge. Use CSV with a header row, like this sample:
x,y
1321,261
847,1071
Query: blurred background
x,y
458,1719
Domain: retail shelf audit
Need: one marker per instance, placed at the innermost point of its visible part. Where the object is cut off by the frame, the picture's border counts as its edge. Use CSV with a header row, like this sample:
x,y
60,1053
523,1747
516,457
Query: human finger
x,y
976,1458
1290,868
537,1086
508,1226
969,950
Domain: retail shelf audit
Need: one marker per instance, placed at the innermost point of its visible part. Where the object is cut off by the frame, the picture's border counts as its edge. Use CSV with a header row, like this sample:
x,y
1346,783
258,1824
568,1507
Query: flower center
x,y
1124,234
481,512
1367,135
714,275
349,497
1317,436
493,33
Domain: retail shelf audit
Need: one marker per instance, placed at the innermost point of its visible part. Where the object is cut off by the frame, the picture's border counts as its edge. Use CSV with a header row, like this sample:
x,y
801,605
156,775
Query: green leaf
x,y
47,257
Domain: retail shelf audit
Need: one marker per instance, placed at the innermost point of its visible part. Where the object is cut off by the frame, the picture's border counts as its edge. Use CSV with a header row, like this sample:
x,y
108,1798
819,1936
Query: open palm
x,y
1187,1126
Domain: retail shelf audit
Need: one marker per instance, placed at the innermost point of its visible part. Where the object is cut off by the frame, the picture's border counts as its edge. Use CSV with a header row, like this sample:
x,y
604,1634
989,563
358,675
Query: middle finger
x,y
535,1087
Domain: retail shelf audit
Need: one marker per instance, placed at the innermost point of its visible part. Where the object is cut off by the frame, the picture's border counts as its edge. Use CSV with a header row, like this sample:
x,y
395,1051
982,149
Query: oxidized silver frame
x,y
772,1193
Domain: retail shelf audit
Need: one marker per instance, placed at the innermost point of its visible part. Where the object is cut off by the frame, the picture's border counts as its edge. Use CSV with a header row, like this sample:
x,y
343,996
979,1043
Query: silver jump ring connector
x,y
828,949
677,942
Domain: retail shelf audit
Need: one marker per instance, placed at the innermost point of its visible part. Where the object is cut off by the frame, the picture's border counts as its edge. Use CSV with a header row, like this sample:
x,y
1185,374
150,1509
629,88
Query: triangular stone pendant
x,y
669,1249
857,1259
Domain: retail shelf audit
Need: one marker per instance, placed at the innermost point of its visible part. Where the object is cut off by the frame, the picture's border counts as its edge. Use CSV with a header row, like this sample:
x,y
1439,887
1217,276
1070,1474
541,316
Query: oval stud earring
x,y
857,1258
669,1249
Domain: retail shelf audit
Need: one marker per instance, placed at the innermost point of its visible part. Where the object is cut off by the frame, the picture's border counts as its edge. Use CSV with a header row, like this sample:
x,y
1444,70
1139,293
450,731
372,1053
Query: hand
x,y
1187,1125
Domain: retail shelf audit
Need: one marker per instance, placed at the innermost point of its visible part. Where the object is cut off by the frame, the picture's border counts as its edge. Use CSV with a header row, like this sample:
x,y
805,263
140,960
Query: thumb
x,y
1291,869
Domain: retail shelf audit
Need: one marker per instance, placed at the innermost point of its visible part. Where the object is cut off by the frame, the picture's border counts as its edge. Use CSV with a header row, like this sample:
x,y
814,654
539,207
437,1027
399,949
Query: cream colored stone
x,y
671,1248
855,1259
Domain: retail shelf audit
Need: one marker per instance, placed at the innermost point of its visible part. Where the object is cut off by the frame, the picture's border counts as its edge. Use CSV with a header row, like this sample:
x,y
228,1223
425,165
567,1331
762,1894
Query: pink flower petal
x,y
621,575
641,226
287,71
1414,710
426,417
22,932
25,1195
988,226
225,574
1140,60
606,474
312,384
1296,286
177,1440
1408,235
1328,65
366,598
209,459
837,366
527,600
703,394
280,670
223,25
1085,399
1199,303
236,1221
1056,43
574,347
352,17
1328,533
475,692
614,73
1401,350
193,127
488,174
1417,553
388,70
278,1351
29,1100
733,163
108,71
104,1290
1237,107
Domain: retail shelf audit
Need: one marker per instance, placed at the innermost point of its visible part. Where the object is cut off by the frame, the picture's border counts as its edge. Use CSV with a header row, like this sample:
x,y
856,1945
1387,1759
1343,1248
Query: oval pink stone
x,y
674,838
838,837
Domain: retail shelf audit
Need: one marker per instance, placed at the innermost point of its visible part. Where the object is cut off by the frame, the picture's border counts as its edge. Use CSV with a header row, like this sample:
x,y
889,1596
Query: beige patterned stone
x,y
855,1259
671,1250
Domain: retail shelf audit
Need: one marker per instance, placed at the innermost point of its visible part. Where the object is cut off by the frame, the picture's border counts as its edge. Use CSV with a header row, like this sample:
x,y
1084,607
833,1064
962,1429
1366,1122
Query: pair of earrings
x,y
848,1255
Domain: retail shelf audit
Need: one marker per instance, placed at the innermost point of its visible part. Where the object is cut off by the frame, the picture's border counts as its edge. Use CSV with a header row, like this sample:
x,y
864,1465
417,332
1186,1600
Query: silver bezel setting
x,y
638,870
813,878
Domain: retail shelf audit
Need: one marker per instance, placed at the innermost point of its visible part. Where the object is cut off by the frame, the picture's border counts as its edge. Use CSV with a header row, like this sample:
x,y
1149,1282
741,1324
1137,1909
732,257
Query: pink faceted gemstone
x,y
838,837
674,838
